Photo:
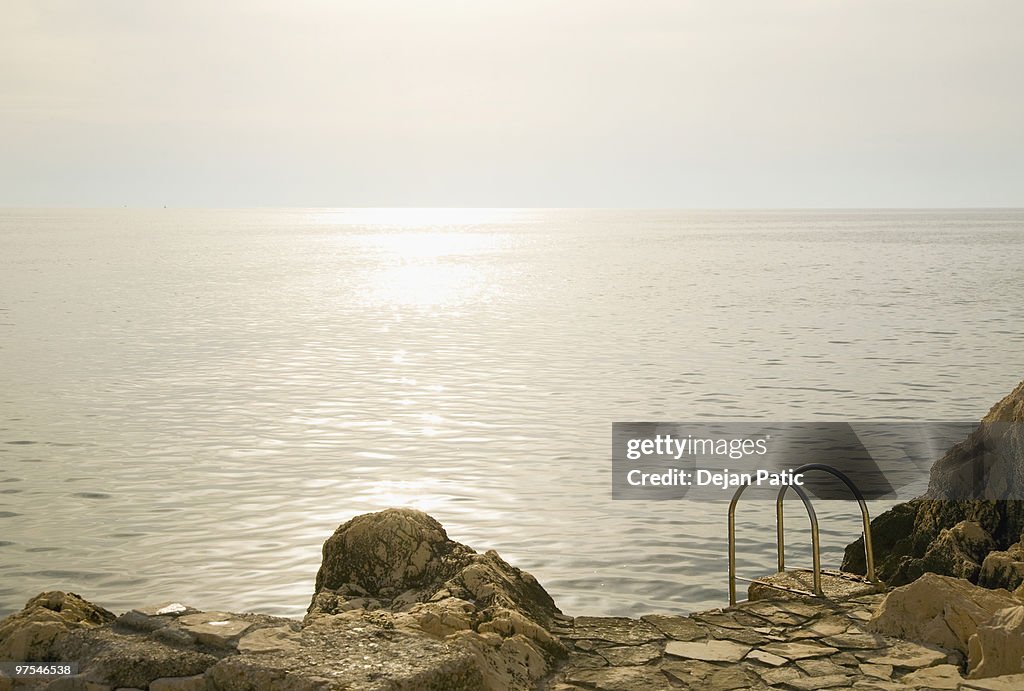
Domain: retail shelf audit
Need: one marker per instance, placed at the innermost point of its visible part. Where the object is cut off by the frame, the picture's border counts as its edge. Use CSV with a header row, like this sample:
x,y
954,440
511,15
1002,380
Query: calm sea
x,y
192,401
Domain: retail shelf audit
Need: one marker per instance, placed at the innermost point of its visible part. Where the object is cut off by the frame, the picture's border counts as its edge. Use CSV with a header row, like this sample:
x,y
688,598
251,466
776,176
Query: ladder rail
x,y
812,516
869,553
815,541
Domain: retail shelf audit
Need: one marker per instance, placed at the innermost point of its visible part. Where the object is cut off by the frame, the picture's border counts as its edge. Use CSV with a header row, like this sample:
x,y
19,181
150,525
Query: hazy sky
x,y
664,103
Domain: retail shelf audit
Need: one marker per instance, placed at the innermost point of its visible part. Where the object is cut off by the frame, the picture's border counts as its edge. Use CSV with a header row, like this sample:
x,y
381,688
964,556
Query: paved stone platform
x,y
801,645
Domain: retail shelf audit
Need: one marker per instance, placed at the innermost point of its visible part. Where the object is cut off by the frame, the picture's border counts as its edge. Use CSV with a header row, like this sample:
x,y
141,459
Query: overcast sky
x,y
629,103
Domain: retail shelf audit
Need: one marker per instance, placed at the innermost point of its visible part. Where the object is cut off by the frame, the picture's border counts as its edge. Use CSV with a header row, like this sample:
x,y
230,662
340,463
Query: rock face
x,y
398,607
31,633
986,626
399,566
962,518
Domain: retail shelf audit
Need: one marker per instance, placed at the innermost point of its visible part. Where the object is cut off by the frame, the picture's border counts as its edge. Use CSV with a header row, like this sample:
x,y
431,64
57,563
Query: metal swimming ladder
x,y
815,543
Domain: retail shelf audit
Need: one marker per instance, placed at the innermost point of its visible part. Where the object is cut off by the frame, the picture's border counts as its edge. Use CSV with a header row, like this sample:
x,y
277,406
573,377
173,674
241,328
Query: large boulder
x,y
972,508
400,566
939,610
986,626
998,646
30,635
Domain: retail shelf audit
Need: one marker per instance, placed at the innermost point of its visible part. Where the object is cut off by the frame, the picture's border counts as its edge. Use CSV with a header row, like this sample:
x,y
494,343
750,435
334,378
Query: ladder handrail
x,y
815,546
869,553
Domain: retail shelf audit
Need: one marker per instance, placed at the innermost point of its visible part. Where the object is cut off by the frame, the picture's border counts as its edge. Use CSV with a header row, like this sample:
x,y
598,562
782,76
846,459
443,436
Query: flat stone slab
x,y
216,629
834,586
676,627
907,655
798,651
615,630
707,651
766,658
630,655
834,681
938,677
1009,682
622,679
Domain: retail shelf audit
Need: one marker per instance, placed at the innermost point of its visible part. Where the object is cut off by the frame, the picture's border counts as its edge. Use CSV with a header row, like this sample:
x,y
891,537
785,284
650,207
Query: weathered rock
x,y
767,658
707,651
401,563
676,627
1004,569
216,629
798,651
627,655
969,483
1012,682
615,630
195,683
28,635
905,655
958,551
998,646
940,610
938,677
622,679
876,671
129,660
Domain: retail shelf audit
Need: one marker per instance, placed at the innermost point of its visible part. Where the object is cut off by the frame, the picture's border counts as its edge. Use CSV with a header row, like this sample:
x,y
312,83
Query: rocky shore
x,y
397,605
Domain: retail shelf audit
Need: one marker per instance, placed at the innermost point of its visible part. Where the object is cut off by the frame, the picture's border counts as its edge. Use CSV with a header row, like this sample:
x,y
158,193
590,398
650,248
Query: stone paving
x,y
801,645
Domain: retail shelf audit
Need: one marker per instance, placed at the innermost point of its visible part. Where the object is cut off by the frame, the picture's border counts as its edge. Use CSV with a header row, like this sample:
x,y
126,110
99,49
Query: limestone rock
x,y
194,683
966,484
938,609
938,677
1004,569
29,634
622,679
401,564
1011,682
998,646
707,651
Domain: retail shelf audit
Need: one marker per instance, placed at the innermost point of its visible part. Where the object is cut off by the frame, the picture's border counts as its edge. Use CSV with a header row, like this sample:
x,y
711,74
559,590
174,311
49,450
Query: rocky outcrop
x,y
965,515
48,617
399,566
1004,569
398,606
986,626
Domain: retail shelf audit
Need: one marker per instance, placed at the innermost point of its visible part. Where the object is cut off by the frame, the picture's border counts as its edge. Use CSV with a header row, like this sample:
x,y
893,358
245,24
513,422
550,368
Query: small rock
x,y
938,677
216,629
998,647
877,671
766,658
822,667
